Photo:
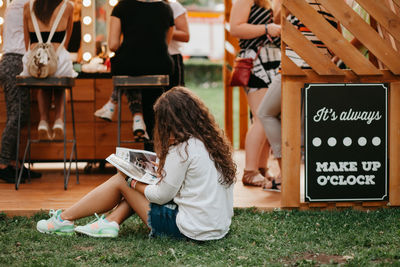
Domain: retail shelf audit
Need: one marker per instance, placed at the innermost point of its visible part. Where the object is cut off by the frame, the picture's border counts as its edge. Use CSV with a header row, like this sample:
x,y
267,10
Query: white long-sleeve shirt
x,y
191,180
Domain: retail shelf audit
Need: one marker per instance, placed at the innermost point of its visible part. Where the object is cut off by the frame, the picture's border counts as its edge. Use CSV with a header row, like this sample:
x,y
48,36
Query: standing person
x,y
10,67
270,108
194,198
45,13
147,28
251,21
180,34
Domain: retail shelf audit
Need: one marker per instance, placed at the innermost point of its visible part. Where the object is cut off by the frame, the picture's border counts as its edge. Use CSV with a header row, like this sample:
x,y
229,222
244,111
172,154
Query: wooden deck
x,y
48,192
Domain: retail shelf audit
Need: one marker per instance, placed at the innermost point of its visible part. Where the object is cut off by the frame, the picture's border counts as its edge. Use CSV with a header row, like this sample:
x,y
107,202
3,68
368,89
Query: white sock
x,y
138,117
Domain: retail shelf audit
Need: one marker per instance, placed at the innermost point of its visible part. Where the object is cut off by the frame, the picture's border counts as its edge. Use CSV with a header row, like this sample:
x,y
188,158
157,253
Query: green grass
x,y
213,96
300,238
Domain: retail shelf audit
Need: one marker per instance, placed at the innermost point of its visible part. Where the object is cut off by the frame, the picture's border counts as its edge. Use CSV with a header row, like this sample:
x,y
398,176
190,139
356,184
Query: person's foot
x,y
8,174
58,130
106,112
139,129
30,173
273,184
55,225
43,130
100,227
252,178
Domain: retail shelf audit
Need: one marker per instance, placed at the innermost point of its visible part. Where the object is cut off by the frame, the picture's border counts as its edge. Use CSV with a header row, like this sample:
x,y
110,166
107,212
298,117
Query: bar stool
x,y
56,83
135,83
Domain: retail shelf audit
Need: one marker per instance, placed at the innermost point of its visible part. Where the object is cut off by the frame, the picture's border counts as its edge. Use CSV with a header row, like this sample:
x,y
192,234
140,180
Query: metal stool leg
x,y
74,148
119,116
18,140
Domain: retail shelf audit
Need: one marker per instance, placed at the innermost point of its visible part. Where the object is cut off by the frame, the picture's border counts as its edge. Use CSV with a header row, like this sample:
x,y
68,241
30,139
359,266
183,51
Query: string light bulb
x,y
87,56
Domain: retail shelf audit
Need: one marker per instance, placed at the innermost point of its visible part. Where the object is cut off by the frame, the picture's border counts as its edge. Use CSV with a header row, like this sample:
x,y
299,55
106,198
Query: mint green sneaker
x,y
54,225
100,227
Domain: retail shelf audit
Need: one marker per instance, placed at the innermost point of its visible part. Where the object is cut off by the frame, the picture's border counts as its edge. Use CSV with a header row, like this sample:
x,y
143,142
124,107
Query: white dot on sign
x,y
316,141
362,141
87,56
347,141
376,141
332,141
86,3
87,20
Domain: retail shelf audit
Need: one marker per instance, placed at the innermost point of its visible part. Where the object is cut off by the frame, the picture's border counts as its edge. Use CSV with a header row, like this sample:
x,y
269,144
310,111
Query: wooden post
x,y
243,117
394,144
291,143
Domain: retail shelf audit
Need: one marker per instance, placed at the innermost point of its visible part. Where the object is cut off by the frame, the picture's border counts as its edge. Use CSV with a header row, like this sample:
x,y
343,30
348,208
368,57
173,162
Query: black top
x,y
144,49
58,37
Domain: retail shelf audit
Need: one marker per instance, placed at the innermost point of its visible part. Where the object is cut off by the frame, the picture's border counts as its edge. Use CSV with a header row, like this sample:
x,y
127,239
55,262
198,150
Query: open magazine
x,y
138,164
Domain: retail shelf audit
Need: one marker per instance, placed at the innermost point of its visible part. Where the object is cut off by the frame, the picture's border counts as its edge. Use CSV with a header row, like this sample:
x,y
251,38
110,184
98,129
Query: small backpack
x,y
43,58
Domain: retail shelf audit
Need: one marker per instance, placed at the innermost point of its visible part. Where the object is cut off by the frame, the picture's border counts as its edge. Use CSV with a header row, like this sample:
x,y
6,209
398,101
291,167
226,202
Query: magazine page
x,y
134,164
140,158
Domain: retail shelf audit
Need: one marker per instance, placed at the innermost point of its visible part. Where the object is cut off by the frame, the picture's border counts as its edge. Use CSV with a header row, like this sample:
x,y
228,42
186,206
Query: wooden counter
x,y
96,138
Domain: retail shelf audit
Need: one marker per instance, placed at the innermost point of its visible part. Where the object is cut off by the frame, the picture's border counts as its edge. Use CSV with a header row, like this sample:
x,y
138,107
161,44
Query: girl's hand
x,y
273,29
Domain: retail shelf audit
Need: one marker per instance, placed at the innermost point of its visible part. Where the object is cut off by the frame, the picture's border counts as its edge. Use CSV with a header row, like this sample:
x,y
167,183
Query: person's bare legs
x,y
44,100
264,156
255,141
107,196
59,104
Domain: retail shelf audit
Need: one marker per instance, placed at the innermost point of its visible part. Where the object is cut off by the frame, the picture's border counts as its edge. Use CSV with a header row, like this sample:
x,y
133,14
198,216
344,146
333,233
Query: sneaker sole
x,y
95,235
58,134
56,233
43,134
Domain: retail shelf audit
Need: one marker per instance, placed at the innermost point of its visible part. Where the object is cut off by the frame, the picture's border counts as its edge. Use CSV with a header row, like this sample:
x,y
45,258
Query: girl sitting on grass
x,y
194,198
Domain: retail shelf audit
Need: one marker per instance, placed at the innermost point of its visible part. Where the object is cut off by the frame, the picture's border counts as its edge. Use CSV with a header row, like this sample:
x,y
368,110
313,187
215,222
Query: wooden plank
x,y
349,77
232,40
83,90
364,33
229,58
291,129
331,37
243,117
307,51
289,68
228,104
394,144
389,20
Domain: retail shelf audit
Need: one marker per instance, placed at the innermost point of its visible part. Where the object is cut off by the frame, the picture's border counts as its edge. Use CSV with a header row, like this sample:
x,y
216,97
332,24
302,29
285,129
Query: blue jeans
x,y
162,220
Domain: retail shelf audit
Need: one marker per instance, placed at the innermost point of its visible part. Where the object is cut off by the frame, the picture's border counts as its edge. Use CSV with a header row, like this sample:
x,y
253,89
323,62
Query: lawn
x,y
299,238
213,96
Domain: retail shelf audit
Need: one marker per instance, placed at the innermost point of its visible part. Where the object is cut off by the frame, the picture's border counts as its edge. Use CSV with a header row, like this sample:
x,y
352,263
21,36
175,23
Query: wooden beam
x,y
364,33
331,37
289,68
394,144
291,129
307,51
389,20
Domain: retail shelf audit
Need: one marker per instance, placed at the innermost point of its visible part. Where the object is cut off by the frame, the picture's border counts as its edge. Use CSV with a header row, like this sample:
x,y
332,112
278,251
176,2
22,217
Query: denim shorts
x,y
162,220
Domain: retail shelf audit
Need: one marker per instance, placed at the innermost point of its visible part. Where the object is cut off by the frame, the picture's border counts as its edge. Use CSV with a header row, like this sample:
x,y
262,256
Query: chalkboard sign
x,y
346,142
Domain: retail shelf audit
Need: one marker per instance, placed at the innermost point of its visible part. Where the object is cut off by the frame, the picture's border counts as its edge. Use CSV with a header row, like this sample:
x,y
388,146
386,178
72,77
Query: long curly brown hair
x,y
180,115
44,9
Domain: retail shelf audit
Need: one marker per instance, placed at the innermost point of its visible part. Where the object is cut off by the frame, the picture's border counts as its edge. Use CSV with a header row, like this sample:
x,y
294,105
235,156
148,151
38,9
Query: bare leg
x,y
255,137
263,160
107,196
59,104
44,99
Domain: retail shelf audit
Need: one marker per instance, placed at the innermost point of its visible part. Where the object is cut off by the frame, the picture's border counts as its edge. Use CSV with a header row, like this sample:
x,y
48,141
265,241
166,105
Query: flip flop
x,y
274,186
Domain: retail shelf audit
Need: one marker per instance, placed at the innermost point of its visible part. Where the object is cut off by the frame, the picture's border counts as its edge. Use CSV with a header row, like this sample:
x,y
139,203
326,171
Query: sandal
x,y
274,186
253,178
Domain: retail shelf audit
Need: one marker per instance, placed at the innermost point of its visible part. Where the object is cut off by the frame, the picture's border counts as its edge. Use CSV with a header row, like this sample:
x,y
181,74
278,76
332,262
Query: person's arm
x,y
170,33
114,36
26,30
241,29
181,31
70,12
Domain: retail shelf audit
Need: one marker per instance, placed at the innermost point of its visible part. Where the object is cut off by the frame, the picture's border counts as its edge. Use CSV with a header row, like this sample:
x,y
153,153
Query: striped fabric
x,y
309,35
258,15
